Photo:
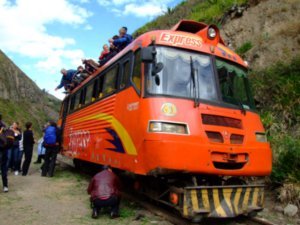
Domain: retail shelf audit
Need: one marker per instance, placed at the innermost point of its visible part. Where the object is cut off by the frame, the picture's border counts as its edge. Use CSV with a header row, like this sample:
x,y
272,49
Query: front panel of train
x,y
200,120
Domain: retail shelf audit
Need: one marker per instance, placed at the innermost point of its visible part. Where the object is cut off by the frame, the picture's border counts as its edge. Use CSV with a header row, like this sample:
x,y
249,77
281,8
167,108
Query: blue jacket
x,y
67,79
122,42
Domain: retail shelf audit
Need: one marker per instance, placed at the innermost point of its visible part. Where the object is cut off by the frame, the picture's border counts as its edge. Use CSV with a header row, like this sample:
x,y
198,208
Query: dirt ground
x,y
62,200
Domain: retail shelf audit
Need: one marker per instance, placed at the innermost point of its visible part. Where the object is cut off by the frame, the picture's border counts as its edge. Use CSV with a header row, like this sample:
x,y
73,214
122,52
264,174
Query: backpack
x,y
50,136
10,138
6,139
2,141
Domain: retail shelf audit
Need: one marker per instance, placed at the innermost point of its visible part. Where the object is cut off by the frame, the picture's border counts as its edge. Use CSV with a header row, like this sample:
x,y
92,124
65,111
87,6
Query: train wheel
x,y
77,164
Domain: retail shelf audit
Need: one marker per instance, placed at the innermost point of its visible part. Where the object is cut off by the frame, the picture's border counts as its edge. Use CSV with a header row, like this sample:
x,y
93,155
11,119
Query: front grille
x,y
236,139
215,136
221,121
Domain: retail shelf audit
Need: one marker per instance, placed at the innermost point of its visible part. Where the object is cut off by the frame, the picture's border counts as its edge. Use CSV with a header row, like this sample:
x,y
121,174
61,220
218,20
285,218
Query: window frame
x,y
128,58
138,91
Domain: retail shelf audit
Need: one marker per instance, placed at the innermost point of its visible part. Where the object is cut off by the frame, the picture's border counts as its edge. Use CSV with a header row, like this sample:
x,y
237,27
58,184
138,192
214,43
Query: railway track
x,y
176,219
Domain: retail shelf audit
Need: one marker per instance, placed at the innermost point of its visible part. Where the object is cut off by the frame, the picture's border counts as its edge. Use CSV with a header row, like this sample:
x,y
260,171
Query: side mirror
x,y
147,54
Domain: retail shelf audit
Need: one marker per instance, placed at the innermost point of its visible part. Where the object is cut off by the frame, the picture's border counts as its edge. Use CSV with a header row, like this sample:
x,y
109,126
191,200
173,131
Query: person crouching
x,y
104,189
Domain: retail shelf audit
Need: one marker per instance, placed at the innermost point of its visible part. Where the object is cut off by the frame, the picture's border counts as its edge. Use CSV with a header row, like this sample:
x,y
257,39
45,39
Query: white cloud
x,y
146,10
23,29
88,27
114,2
138,8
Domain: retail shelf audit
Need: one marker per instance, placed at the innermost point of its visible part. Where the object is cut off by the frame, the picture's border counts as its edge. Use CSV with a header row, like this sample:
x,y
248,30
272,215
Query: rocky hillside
x,y
21,99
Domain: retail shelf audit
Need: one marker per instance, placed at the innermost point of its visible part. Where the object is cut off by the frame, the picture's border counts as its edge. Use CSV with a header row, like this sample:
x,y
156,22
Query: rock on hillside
x,y
271,27
21,99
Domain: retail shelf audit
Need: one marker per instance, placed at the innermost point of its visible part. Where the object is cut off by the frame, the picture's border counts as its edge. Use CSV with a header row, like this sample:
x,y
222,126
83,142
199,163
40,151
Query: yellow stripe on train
x,y
117,126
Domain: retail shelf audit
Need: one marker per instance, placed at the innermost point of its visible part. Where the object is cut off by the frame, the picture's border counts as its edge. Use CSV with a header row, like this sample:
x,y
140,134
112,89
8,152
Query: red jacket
x,y
103,54
104,185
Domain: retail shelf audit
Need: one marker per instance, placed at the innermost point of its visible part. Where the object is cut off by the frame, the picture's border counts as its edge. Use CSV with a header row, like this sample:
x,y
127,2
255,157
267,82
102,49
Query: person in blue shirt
x,y
66,78
123,40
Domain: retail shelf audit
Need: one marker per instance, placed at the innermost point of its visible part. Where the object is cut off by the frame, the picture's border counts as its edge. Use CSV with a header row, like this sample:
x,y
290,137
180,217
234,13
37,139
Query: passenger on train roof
x,y
67,76
113,50
104,53
123,40
79,77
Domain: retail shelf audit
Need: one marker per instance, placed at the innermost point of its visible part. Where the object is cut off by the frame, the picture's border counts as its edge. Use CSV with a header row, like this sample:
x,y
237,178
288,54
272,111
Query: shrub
x,y
287,163
244,48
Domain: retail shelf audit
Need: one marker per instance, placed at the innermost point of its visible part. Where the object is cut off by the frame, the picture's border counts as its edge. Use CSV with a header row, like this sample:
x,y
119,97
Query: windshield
x,y
176,78
234,84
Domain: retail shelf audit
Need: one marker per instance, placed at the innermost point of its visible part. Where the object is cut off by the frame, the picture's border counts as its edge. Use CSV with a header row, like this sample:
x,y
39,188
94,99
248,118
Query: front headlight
x,y
261,137
166,127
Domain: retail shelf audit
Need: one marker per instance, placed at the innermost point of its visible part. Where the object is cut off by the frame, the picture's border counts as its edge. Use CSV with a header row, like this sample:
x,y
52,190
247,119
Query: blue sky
x,y
42,36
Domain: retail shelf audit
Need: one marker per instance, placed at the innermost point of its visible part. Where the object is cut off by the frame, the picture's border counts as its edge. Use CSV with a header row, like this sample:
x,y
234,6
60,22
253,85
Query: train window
x,y
234,84
89,93
110,79
72,104
136,76
95,90
77,100
125,75
100,87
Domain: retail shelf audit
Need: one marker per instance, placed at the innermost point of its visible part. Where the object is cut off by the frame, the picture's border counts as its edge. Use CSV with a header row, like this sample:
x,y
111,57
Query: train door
x,y
65,108
128,105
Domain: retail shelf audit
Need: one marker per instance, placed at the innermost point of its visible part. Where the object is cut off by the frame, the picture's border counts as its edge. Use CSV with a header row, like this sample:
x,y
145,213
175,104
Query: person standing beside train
x,y
13,154
28,143
6,142
52,142
104,189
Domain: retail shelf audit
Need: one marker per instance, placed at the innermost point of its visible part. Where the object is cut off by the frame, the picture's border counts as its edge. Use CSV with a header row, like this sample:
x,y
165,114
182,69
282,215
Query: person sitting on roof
x,y
113,50
90,65
123,40
104,53
66,78
80,76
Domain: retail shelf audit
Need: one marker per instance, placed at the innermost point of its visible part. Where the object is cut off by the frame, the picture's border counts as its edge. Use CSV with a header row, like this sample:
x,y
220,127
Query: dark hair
x,y
28,125
115,37
52,123
79,67
125,28
106,167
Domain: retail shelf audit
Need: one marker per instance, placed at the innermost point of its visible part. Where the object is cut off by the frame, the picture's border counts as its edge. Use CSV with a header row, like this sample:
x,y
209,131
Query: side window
x,y
65,107
95,90
110,79
77,100
72,104
125,74
136,76
89,93
100,86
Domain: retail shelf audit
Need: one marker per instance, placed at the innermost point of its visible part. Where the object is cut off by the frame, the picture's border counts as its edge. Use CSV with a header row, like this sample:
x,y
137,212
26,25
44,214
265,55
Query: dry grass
x,y
290,193
291,29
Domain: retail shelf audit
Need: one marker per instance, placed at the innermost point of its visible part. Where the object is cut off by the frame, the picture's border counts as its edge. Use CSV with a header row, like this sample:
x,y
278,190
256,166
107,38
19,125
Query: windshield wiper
x,y
193,76
238,100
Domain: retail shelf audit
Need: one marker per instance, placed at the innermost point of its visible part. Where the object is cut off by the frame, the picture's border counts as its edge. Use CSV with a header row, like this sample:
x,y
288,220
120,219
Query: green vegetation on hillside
x,y
207,11
24,111
244,48
277,91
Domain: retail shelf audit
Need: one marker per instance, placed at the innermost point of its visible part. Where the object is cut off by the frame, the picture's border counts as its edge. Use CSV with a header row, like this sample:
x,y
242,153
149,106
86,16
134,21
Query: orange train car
x,y
174,109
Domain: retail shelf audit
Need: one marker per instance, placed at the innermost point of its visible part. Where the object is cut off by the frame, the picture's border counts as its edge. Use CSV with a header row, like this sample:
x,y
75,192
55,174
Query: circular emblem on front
x,y
169,109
